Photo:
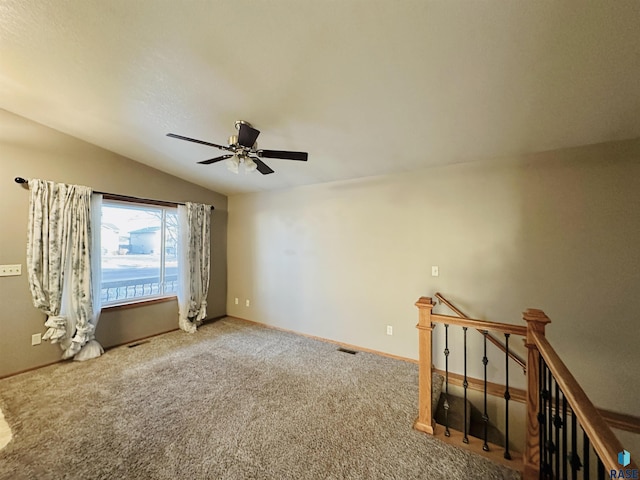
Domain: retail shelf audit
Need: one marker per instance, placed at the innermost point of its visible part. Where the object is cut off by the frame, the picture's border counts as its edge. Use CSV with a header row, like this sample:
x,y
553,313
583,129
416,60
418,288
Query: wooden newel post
x,y
536,322
425,327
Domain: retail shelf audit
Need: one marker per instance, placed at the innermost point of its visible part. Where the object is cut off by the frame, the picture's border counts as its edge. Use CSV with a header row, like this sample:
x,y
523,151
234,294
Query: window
x,y
139,252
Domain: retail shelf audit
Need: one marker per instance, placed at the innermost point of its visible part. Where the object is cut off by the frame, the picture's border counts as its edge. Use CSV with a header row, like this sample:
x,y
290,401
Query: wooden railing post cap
x,y
535,315
424,302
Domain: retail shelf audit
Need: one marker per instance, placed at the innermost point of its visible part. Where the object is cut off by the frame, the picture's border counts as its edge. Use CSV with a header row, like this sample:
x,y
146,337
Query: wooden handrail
x,y
458,312
481,325
490,337
602,439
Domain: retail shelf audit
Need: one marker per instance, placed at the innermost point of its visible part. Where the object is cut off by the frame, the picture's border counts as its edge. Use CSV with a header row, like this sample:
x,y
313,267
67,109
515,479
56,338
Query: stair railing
x,y
509,355
427,321
552,393
559,395
512,355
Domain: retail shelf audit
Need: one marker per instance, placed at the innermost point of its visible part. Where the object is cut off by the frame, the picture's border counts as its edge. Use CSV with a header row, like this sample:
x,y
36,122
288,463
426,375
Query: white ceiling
x,y
366,87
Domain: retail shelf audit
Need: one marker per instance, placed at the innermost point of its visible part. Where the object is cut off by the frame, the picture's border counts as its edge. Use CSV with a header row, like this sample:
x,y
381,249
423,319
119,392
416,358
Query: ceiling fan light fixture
x,y
249,165
233,164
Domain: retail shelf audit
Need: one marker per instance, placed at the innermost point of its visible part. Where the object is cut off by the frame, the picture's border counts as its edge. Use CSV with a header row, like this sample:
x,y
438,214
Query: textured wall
x,y
29,150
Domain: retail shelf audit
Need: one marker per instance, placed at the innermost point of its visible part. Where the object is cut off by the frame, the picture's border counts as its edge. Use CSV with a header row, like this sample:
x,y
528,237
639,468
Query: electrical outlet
x,y
247,303
36,339
389,330
10,270
236,300
435,271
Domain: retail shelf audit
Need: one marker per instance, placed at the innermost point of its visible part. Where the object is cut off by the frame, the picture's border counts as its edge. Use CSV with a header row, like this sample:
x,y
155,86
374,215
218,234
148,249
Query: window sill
x,y
140,303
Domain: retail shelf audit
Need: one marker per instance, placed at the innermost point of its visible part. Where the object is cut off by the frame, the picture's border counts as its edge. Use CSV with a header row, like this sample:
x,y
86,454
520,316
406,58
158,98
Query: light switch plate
x,y
435,271
10,270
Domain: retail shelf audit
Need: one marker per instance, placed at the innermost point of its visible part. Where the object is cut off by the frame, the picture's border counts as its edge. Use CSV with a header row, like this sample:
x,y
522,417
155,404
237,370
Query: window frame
x,y
132,202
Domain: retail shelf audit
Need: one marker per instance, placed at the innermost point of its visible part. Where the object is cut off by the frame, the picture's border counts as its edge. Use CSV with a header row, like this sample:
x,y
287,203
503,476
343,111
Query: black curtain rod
x,y
113,196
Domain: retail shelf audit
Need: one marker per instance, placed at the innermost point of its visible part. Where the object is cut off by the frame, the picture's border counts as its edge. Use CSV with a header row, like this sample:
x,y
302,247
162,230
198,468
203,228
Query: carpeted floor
x,y
233,401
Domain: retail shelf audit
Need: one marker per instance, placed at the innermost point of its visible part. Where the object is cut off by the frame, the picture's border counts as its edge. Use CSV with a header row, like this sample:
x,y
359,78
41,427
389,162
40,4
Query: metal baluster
x,y
575,459
447,433
557,423
542,407
585,455
507,397
565,459
485,415
550,445
465,384
544,447
600,469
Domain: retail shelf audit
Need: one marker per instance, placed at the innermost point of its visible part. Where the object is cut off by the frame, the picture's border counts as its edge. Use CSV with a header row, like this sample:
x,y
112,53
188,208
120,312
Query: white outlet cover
x,y
10,270
435,271
247,303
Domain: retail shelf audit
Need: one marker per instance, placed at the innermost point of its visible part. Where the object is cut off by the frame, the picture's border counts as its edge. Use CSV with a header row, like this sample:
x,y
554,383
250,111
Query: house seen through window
x,y
139,252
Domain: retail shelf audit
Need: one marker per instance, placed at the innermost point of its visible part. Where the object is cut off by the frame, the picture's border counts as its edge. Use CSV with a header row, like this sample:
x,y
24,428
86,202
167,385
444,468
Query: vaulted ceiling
x,y
367,87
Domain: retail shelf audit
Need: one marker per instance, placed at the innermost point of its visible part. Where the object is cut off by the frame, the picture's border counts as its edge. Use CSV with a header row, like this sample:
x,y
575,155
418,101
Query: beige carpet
x,y
233,401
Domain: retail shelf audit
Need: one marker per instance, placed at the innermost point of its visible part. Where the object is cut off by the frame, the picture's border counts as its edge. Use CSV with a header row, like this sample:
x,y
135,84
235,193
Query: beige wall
x,y
558,231
28,149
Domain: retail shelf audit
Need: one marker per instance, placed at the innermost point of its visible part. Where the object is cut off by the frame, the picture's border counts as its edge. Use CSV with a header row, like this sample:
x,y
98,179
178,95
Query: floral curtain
x,y
59,270
85,334
194,220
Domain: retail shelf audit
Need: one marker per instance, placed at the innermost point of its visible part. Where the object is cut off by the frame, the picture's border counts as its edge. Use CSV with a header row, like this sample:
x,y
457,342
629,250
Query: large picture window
x,y
139,252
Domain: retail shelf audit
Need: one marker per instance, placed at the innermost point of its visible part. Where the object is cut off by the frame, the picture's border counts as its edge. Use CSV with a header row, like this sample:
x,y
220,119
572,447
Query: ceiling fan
x,y
243,149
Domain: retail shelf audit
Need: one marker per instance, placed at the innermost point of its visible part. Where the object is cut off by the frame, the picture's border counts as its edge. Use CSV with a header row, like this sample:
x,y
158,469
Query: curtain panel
x,y
59,254
194,249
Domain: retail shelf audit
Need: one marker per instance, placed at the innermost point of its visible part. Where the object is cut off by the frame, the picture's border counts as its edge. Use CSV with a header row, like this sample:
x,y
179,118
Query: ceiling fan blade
x,y
214,160
180,137
284,155
248,135
263,168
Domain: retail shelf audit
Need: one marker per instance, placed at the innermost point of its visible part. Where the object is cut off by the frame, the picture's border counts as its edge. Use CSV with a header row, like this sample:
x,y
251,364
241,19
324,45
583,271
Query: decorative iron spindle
x,y
550,446
465,384
557,423
542,420
564,437
575,459
447,433
585,455
600,469
485,415
542,408
507,397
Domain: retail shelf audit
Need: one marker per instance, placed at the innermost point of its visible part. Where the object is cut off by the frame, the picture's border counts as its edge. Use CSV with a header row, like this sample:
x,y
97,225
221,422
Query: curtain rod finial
x,y
20,180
